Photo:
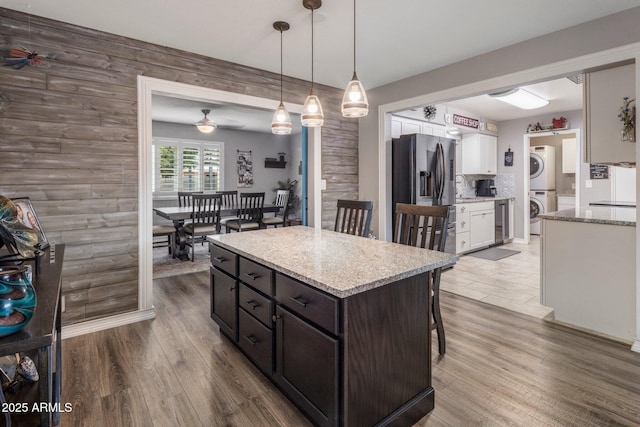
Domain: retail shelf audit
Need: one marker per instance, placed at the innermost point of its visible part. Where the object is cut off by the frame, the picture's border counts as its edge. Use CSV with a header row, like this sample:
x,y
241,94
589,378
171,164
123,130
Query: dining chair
x,y
167,231
353,217
280,217
249,213
204,219
229,199
184,197
425,227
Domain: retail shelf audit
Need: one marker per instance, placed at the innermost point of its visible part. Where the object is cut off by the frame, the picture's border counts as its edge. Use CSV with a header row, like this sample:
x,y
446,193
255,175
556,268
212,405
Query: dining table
x,y
179,214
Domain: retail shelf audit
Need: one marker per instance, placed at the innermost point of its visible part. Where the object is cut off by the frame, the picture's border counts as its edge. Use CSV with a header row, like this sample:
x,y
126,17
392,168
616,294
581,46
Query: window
x,y
180,165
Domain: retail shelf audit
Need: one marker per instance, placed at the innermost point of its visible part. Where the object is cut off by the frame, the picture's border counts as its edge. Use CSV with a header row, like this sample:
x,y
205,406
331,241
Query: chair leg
x,y
435,310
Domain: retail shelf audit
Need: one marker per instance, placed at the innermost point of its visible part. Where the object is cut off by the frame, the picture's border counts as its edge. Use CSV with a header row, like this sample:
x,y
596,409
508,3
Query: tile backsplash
x,y
505,184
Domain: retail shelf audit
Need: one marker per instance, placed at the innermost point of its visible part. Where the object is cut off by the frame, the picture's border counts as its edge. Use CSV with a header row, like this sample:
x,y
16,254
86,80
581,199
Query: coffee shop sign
x,y
465,121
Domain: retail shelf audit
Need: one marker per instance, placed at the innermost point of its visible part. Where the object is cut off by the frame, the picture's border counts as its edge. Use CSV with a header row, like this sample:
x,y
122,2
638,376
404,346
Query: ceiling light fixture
x,y
354,101
520,98
206,125
312,115
281,123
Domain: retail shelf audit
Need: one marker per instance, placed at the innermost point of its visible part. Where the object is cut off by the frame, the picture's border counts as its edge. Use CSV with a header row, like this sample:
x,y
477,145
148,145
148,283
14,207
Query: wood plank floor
x,y
501,369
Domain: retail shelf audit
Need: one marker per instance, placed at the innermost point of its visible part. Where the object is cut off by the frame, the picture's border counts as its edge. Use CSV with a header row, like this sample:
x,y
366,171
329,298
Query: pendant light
x,y
312,115
281,123
206,125
354,101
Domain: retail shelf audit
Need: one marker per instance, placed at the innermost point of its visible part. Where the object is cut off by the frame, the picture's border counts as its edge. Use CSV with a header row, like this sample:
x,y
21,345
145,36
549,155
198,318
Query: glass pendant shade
x,y
206,125
281,123
354,101
312,115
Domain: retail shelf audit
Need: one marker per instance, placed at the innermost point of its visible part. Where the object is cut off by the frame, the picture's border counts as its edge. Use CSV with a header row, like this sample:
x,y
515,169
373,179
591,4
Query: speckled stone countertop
x,y
481,199
339,264
596,215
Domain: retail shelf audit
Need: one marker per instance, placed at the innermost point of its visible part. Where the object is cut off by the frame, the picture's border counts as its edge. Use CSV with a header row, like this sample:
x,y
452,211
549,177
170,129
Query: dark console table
x,y
42,337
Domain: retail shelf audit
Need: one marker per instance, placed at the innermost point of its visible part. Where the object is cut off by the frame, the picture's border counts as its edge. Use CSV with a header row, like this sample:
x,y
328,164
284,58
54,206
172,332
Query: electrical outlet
x,y
323,184
588,183
63,305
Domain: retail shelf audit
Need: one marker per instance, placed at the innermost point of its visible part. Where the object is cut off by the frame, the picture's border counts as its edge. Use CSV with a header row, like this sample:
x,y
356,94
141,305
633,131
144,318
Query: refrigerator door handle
x,y
440,173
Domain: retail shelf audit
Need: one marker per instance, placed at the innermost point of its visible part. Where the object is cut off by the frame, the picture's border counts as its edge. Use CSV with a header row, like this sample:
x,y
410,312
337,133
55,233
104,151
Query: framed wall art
x,y
245,169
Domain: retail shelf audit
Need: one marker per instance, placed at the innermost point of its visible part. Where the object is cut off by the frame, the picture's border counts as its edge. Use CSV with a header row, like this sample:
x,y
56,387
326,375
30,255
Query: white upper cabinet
x,y
604,91
404,126
477,154
569,155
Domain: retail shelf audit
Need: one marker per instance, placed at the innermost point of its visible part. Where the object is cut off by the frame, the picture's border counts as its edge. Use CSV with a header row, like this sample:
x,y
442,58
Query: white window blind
x,y
180,165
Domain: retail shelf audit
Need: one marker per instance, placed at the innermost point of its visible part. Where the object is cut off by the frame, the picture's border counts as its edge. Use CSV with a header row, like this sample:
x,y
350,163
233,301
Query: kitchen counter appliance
x,y
503,230
486,188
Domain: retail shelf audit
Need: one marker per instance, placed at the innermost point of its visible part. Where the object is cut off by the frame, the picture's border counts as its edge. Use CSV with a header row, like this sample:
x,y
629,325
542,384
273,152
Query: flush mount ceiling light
x,y
520,98
206,125
354,101
312,115
281,123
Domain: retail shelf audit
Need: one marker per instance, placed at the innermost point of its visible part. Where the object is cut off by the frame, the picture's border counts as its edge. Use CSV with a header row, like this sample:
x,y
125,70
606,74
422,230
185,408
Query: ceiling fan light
x,y
206,125
312,115
354,101
520,98
281,123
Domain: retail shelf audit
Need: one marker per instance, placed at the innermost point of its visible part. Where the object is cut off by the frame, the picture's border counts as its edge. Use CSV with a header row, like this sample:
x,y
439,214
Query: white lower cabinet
x,y
475,225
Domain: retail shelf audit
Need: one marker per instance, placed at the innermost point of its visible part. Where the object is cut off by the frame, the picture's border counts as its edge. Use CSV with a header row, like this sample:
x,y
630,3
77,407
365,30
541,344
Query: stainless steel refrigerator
x,y
424,173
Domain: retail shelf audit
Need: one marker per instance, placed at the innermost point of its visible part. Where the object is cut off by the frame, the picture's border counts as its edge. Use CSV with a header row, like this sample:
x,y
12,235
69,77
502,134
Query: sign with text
x,y
465,121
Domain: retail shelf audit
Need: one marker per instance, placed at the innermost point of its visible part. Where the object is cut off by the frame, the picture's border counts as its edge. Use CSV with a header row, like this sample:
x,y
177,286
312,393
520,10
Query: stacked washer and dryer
x,y
542,186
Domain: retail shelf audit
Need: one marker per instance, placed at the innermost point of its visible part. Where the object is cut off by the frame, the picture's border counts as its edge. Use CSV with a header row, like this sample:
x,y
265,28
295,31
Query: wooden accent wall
x,y
69,140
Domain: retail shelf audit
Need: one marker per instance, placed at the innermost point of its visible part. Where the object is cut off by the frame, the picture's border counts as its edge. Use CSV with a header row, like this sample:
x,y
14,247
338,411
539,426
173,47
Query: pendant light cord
x,y
354,36
312,49
281,66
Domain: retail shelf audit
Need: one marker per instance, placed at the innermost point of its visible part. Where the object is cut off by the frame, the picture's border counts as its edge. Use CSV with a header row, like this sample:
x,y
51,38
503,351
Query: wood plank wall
x,y
69,139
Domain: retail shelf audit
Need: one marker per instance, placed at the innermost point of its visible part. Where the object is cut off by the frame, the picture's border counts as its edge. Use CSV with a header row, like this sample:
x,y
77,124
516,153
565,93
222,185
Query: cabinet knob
x,y
462,223
462,209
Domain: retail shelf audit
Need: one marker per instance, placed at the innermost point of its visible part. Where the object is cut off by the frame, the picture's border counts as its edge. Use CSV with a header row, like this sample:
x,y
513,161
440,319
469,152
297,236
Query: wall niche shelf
x,y
272,163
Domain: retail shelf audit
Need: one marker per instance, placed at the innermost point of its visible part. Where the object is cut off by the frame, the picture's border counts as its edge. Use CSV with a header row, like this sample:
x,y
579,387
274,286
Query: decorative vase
x,y
17,299
628,134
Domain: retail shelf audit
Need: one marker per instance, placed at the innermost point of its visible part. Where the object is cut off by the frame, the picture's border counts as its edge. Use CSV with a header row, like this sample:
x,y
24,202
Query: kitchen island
x,y
588,273
340,323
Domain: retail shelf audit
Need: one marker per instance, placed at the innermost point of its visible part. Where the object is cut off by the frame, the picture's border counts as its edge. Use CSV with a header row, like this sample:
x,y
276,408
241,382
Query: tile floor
x,y
512,283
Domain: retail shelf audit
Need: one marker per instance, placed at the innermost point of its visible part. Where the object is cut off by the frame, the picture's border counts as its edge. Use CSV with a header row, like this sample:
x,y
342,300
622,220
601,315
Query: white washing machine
x,y
540,202
542,167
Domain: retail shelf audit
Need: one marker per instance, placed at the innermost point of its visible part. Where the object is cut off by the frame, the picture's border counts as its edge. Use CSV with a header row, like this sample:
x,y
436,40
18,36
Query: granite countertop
x,y
596,215
339,264
481,199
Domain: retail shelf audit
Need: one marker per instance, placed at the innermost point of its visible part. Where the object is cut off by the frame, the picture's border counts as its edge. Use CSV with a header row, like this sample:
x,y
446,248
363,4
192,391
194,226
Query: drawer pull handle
x,y
232,288
252,276
299,301
275,318
253,304
220,259
251,339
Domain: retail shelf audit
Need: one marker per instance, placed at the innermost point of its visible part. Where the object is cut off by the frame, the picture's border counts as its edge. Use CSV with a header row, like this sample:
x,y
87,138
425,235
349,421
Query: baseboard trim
x,y
636,345
96,325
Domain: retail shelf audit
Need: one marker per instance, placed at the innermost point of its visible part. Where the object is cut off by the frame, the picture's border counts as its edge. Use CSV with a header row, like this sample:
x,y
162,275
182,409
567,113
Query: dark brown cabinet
x,y
360,360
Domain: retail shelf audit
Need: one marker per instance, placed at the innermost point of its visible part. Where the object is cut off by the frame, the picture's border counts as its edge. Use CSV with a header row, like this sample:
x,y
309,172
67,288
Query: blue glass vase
x,y
17,299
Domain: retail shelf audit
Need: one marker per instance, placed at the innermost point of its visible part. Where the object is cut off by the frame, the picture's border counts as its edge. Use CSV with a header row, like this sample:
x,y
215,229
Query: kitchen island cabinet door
x,y
307,367
224,303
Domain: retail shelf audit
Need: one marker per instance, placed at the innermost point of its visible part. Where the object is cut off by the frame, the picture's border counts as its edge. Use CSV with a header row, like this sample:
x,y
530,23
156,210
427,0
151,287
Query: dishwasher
x,y
502,228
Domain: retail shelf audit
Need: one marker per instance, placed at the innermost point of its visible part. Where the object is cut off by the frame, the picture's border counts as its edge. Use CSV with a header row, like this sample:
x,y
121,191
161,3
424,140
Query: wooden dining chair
x,y
184,197
229,199
204,219
163,235
249,213
280,217
353,217
425,227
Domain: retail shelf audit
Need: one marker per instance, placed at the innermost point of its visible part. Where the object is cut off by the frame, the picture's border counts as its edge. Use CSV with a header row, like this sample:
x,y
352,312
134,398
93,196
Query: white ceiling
x,y
396,39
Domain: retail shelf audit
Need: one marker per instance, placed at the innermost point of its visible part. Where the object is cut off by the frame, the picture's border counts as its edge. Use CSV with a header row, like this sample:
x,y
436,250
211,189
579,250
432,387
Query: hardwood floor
x,y
501,369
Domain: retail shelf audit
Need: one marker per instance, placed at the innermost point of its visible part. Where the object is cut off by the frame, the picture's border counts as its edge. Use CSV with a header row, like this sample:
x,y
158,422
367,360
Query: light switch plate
x,y
323,184
588,183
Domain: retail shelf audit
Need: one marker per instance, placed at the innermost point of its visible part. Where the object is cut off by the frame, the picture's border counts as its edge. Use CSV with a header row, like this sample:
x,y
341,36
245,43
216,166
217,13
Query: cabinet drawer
x,y
256,275
224,259
311,304
481,206
462,222
255,304
462,242
257,341
462,209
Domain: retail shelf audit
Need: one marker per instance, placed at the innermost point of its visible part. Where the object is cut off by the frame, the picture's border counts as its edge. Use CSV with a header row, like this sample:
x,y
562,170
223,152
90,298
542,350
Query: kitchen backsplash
x,y
505,184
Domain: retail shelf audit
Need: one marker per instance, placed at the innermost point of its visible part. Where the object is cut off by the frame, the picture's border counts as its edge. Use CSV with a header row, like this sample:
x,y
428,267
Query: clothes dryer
x,y
542,167
540,202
